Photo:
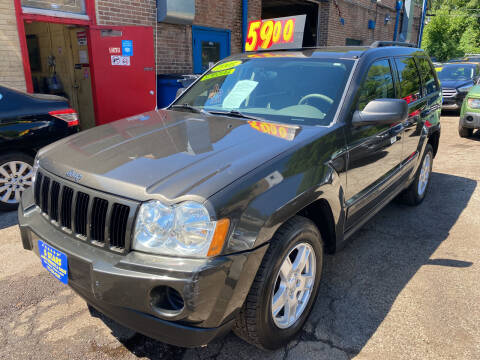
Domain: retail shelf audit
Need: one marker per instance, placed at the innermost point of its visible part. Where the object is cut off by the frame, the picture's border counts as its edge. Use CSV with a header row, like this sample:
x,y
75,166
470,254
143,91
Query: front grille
x,y
98,218
446,92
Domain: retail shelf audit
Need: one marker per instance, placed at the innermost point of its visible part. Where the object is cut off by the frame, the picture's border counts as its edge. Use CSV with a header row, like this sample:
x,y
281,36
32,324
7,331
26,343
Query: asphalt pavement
x,y
407,286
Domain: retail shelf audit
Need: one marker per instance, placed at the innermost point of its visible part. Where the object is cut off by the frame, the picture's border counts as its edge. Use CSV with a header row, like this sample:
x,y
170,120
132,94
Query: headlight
x,y
35,169
474,103
465,88
180,230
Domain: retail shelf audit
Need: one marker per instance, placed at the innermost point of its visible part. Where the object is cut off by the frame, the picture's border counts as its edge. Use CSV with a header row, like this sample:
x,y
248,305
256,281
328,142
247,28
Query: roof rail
x,y
378,44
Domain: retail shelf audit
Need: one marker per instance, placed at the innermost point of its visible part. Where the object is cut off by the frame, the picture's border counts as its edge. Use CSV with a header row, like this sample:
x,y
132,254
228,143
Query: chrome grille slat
x,y
447,92
85,214
45,191
98,219
54,196
66,210
81,208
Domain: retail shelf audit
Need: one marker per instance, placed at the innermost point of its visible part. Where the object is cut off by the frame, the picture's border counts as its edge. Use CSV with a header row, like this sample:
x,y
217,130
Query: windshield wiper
x,y
236,113
189,107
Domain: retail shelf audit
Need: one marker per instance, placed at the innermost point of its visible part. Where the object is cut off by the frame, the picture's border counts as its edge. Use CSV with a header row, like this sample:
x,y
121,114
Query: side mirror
x,y
180,92
381,111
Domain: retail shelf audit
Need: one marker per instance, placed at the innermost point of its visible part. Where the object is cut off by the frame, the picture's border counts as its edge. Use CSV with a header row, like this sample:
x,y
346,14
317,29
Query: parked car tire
x,y
16,171
465,132
283,284
417,190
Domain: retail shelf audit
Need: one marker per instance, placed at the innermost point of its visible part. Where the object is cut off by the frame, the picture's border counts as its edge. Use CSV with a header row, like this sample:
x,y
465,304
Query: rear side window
x,y
409,79
429,83
377,85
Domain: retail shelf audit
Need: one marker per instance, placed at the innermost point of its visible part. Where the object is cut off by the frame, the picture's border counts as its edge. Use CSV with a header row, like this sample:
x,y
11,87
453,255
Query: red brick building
x,y
45,37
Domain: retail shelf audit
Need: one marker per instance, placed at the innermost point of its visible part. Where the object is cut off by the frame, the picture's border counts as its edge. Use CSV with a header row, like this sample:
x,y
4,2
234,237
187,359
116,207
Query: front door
x,y
209,47
374,151
82,83
123,71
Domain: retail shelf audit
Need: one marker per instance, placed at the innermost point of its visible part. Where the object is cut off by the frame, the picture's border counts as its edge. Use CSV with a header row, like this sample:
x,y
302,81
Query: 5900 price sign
x,y
274,34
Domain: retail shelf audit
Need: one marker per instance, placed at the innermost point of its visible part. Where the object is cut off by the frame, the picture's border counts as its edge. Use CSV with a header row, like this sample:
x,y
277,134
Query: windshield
x,y
290,90
456,72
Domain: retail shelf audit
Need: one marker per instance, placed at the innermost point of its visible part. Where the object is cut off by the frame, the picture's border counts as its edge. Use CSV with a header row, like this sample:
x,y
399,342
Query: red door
x,y
123,71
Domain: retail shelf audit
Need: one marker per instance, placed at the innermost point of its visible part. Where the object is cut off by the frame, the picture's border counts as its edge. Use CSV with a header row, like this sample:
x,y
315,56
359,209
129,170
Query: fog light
x,y
469,118
166,301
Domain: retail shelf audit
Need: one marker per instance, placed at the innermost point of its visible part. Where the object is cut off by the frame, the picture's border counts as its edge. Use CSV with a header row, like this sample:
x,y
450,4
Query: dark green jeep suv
x,y
215,213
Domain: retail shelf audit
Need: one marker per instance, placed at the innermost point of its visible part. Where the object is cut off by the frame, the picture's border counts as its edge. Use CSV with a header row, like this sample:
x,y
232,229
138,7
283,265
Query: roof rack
x,y
378,44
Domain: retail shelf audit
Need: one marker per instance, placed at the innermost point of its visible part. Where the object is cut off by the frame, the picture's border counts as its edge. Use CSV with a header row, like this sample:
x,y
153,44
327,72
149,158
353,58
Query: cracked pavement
x,y
405,287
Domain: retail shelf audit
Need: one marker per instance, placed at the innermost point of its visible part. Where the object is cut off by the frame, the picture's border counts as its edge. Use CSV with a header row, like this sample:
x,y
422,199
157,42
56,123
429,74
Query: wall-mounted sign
x,y
120,60
82,38
275,34
127,47
114,50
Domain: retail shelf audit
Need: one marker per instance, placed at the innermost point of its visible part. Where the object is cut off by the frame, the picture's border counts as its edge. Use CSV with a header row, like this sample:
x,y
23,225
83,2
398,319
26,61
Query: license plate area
x,y
54,261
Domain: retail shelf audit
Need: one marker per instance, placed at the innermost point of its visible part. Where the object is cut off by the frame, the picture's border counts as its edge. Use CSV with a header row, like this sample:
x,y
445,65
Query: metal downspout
x,y
398,7
244,21
422,24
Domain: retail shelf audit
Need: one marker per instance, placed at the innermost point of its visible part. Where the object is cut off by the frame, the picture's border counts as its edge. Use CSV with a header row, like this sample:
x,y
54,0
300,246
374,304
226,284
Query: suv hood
x,y
455,84
167,154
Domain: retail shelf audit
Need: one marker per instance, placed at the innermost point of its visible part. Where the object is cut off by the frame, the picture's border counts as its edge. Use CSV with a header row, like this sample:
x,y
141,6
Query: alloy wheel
x,y
15,177
293,286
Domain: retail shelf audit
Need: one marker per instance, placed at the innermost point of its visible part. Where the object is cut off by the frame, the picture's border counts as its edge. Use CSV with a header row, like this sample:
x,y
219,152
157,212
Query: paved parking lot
x,y
406,287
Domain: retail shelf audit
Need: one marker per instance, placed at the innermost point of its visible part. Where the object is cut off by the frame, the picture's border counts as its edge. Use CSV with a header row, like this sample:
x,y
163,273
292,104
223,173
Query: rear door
x,y
123,71
412,91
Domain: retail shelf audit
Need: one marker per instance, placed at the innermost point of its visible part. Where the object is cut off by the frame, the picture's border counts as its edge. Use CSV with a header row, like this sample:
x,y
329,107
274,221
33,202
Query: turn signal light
x,y
70,116
221,231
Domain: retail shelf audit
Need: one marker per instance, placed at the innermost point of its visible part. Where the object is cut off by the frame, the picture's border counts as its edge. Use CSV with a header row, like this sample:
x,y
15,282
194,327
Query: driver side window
x,y
377,85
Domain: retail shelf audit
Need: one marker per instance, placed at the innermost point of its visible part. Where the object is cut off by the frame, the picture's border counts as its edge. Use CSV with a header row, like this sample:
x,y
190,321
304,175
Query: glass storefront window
x,y
70,6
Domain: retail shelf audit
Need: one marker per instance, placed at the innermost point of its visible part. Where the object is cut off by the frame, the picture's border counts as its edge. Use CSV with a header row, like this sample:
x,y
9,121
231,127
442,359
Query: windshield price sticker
x,y
214,75
227,65
281,131
274,34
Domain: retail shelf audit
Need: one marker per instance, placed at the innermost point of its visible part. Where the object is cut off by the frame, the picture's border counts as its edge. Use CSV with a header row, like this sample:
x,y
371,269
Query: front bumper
x,y
453,102
470,120
122,286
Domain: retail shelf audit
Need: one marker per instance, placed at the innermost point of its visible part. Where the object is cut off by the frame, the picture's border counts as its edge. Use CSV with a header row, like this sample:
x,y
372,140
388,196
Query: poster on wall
x,y
276,34
82,38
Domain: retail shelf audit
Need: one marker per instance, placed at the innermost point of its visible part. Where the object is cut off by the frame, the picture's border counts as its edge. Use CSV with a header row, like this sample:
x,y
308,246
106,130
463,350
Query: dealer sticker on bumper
x,y
54,261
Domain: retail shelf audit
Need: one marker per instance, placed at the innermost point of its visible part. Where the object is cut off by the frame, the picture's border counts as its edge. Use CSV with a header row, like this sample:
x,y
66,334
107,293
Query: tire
x,y
465,132
415,194
11,187
255,322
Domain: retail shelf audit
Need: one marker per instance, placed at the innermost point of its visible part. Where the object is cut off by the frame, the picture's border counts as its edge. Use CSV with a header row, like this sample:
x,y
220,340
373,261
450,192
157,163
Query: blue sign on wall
x,y
127,47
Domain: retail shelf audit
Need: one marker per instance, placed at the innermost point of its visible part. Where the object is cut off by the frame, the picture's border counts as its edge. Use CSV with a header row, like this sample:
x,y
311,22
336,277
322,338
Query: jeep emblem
x,y
72,174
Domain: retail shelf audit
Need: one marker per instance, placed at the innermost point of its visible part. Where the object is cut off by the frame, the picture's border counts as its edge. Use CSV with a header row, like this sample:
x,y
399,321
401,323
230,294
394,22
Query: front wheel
x,y
465,132
285,287
16,174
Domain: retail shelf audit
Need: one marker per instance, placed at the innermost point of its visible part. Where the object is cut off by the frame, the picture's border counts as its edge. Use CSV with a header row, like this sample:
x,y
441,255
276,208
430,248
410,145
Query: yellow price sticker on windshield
x,y
217,74
227,65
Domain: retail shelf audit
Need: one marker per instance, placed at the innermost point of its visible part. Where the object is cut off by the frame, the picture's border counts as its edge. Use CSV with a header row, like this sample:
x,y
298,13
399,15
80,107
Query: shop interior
x,y
282,8
59,65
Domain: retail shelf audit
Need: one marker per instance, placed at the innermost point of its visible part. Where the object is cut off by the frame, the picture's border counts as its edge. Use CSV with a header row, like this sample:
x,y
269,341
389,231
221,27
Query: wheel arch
x,y
321,214
434,140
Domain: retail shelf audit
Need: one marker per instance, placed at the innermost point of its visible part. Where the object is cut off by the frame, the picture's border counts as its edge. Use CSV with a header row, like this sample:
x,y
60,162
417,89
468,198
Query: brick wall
x,y
11,66
356,14
174,42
